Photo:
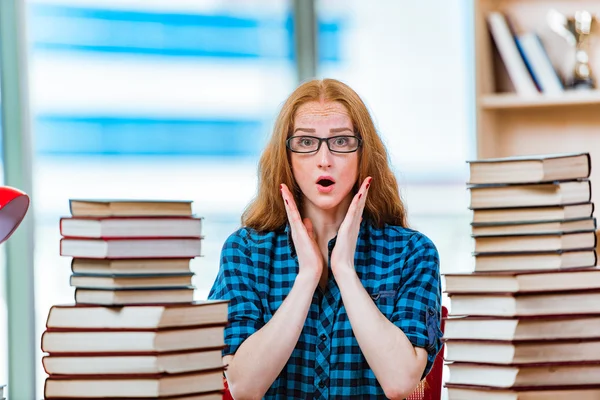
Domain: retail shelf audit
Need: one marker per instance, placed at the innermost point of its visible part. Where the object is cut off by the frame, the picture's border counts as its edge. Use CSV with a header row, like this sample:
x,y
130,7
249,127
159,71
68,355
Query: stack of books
x,y
525,324
134,330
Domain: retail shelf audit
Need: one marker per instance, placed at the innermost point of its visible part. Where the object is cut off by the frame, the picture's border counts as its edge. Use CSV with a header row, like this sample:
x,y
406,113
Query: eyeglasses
x,y
312,144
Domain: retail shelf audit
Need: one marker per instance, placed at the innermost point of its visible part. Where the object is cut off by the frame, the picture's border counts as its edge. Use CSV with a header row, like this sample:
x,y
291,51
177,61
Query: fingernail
x,y
286,201
281,187
368,184
370,179
360,195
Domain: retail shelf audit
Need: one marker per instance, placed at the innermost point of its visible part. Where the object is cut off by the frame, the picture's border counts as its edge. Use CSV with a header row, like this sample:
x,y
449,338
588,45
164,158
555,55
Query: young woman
x,y
331,295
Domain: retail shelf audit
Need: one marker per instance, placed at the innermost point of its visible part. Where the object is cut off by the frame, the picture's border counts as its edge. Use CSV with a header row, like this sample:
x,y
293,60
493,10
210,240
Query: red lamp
x,y
13,207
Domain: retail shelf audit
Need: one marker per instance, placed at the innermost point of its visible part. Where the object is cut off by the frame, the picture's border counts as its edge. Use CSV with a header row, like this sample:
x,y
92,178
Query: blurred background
x,y
175,100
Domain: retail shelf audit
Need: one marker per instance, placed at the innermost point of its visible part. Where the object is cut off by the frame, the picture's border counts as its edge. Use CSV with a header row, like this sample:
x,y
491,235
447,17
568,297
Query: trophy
x,y
576,30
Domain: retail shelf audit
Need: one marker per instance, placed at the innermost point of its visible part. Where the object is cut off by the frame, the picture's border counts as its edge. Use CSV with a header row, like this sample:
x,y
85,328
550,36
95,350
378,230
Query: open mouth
x,y
325,182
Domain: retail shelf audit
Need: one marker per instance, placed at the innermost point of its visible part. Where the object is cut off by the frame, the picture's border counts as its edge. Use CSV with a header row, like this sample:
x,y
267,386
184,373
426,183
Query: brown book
x,y
534,228
517,304
127,281
530,168
532,214
143,316
523,281
138,227
530,195
551,260
115,297
532,328
507,376
535,243
160,340
129,207
131,248
130,266
134,386
133,363
215,395
469,392
527,352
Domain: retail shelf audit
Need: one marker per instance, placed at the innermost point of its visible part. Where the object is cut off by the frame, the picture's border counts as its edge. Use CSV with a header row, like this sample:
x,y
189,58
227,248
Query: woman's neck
x,y
326,222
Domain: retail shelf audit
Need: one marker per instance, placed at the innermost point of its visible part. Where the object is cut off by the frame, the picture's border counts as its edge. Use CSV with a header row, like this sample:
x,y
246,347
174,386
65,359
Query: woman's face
x,y
325,178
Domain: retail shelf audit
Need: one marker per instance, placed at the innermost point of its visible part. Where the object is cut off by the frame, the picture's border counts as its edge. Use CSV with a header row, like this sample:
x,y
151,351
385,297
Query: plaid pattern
x,y
399,268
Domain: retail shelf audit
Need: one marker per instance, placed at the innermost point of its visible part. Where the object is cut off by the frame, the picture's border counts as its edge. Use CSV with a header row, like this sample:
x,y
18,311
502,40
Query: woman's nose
x,y
324,156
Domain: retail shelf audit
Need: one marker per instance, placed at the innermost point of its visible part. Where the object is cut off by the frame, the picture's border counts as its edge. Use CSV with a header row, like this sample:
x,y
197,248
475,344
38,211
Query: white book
x,y
507,47
539,64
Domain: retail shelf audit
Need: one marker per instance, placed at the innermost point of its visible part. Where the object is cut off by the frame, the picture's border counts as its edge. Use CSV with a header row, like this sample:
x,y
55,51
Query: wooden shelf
x,y
508,124
512,100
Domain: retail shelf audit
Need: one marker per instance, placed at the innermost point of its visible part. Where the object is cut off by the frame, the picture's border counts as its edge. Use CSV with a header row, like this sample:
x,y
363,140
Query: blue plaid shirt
x,y
398,267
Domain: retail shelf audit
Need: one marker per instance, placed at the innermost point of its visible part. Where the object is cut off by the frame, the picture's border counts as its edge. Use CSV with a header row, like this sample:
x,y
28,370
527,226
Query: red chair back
x,y
429,389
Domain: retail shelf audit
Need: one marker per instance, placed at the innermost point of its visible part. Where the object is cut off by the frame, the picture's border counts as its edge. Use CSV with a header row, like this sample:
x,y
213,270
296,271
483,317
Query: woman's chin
x,y
327,204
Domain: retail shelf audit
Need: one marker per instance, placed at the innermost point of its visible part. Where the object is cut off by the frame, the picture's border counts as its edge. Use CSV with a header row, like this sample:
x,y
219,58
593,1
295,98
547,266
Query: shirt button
x,y
321,384
323,337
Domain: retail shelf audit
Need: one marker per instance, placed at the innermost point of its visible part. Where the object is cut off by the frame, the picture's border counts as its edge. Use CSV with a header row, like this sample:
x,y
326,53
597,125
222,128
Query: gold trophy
x,y
576,30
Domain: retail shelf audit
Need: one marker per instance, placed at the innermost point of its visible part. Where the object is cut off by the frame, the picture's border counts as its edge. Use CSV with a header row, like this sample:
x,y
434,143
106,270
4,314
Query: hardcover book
x,y
530,168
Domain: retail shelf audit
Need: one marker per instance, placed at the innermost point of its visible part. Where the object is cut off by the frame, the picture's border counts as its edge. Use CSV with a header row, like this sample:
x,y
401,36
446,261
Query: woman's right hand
x,y
305,240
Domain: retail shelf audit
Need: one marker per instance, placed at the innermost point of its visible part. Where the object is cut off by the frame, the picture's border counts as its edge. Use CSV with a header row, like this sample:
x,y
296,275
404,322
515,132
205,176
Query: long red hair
x,y
266,212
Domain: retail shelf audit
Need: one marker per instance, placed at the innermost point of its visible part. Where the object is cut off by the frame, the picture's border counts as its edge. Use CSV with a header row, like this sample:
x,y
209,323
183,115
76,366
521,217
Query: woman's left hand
x,y
342,255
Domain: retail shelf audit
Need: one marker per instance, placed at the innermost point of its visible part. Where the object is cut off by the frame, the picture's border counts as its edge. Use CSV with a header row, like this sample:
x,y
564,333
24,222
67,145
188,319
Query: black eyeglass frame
x,y
321,140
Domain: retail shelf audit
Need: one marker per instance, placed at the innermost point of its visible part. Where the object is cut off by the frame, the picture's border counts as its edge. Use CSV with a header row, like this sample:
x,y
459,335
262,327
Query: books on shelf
x,y
129,208
505,43
134,330
530,168
136,227
131,247
534,214
134,363
158,316
528,315
522,281
538,64
525,58
534,227
133,386
128,295
530,194
513,376
538,261
215,395
561,241
133,341
522,304
470,392
137,281
531,328
524,352
130,266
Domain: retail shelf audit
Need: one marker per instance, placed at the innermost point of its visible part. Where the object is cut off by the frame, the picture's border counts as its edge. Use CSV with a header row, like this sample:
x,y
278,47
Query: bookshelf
x,y
511,124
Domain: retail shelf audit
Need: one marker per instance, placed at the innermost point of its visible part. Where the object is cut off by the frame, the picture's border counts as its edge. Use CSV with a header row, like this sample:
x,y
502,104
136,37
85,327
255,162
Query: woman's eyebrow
x,y
337,130
332,130
309,130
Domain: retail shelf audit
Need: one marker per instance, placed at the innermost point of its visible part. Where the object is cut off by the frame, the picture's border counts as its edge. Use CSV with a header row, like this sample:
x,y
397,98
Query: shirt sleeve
x,y
236,282
418,302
